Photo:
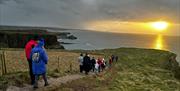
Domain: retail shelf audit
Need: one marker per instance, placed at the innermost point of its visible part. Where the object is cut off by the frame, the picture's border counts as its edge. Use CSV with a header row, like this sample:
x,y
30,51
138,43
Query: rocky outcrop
x,y
19,38
66,36
72,37
173,65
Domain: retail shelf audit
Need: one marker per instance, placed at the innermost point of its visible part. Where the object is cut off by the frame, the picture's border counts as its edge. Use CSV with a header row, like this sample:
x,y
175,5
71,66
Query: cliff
x,y
18,38
173,65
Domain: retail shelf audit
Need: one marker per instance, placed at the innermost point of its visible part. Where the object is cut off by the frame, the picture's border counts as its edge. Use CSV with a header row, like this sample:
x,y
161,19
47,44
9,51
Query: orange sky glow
x,y
152,27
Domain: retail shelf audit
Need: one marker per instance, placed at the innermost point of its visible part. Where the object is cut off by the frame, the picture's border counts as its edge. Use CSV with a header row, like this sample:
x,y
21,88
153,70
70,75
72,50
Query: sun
x,y
159,25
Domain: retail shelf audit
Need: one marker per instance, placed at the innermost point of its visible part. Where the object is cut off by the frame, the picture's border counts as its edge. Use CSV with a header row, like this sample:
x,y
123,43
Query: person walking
x,y
80,59
112,57
93,62
86,64
116,58
39,60
110,61
28,47
99,61
103,65
96,68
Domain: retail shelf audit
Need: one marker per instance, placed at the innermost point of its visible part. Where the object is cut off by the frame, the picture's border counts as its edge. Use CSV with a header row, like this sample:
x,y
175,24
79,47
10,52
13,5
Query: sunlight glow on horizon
x,y
151,27
159,25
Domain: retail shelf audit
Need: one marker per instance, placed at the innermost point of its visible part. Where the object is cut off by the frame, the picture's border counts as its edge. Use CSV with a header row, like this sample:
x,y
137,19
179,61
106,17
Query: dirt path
x,y
54,83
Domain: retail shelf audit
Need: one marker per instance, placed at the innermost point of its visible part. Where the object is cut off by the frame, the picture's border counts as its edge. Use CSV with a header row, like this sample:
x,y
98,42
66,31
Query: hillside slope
x,y
136,70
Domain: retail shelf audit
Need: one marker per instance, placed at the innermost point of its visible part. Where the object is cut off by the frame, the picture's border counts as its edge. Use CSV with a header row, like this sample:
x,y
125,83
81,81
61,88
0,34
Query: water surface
x,y
90,40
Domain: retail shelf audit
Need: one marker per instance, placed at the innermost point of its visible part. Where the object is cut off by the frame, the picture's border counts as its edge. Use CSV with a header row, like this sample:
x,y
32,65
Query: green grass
x,y
16,79
136,70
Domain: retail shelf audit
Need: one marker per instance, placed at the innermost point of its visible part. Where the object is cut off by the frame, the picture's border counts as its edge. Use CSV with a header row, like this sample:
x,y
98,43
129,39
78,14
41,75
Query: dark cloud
x,y
73,13
140,9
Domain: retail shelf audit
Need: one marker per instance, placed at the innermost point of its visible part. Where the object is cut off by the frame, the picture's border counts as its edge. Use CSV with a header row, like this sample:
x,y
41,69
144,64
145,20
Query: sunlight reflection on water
x,y
159,43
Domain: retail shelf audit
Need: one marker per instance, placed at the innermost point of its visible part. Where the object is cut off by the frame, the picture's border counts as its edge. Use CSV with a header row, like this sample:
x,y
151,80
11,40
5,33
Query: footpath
x,y
53,83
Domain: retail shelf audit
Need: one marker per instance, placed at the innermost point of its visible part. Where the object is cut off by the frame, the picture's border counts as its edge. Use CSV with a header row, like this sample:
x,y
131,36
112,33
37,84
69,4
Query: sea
x,y
93,40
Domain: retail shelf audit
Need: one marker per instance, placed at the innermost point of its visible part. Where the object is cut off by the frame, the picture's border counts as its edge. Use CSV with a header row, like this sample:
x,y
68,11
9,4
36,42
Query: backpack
x,y
35,57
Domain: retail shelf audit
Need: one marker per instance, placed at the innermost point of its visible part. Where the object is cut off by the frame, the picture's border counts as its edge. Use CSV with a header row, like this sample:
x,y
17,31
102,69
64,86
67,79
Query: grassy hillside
x,y
136,70
60,63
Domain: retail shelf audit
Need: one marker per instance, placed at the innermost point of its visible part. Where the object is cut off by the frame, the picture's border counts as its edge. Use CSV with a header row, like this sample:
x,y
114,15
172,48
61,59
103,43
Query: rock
x,y
66,36
173,65
72,37
55,47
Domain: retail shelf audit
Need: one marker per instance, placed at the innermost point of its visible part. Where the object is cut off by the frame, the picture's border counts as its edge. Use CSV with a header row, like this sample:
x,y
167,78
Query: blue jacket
x,y
39,59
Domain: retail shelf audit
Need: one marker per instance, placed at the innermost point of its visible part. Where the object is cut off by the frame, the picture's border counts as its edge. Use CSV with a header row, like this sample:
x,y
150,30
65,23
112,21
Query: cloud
x,y
39,12
73,13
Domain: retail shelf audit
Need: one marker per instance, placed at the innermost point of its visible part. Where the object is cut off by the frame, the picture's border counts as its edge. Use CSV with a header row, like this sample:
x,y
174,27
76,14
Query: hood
x,y
41,42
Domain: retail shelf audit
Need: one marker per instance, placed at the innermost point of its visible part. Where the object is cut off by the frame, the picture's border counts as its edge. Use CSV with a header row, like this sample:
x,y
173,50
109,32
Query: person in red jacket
x,y
99,61
31,44
110,61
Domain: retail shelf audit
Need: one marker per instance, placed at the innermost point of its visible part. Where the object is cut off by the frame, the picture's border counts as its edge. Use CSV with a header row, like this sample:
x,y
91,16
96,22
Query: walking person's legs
x,y
102,66
96,70
36,81
93,68
45,79
99,68
81,68
31,73
86,69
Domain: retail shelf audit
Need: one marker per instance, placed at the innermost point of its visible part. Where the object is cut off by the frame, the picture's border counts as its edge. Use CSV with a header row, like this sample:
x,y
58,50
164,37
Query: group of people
x,y
85,63
96,65
37,59
114,58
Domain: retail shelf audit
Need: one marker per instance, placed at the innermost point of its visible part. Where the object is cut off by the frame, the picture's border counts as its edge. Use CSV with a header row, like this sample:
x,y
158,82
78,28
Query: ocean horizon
x,y
93,40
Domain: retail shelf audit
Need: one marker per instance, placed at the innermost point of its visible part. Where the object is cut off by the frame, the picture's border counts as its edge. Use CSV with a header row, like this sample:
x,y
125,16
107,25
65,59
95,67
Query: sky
x,y
86,13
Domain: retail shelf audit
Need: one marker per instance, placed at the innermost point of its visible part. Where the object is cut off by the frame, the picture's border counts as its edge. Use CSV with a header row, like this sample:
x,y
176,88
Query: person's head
x,y
99,58
41,42
35,38
41,39
81,54
86,54
103,59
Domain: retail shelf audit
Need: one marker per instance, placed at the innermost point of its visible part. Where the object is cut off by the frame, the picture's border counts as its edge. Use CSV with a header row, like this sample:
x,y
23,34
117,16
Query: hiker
x,y
93,62
116,58
96,67
99,61
39,60
86,64
81,63
110,61
32,43
112,57
103,65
